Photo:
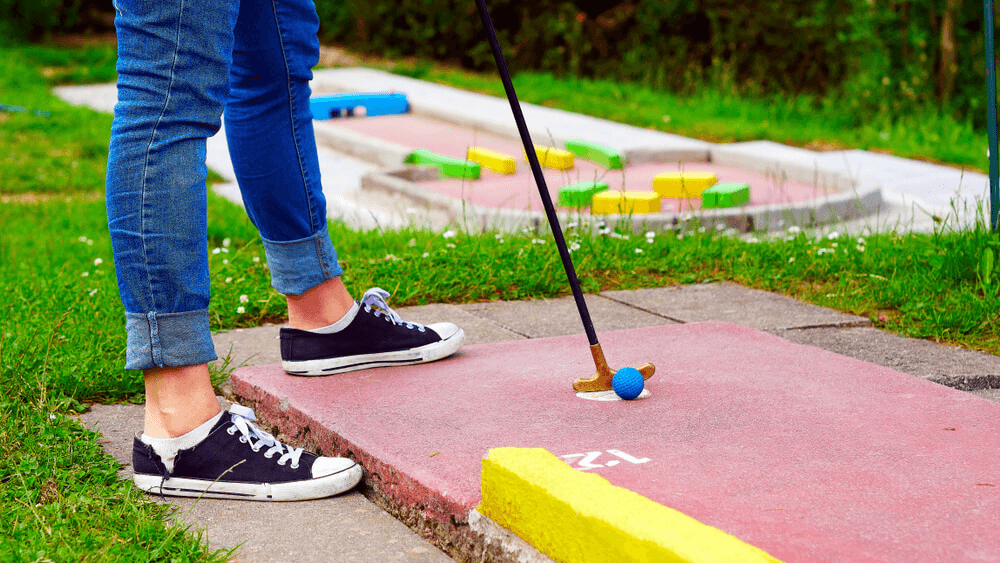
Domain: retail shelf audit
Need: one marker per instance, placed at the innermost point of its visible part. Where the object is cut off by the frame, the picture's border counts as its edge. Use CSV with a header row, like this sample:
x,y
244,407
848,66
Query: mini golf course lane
x,y
806,454
518,191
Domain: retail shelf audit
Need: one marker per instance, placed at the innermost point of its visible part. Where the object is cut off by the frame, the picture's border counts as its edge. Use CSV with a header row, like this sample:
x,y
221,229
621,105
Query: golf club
x,y
602,380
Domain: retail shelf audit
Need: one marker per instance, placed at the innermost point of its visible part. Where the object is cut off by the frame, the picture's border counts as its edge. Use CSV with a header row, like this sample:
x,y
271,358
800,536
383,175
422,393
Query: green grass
x,y
723,116
62,327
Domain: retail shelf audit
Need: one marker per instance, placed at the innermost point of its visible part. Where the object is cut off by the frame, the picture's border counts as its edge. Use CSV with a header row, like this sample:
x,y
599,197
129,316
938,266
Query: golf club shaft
x,y
536,169
991,116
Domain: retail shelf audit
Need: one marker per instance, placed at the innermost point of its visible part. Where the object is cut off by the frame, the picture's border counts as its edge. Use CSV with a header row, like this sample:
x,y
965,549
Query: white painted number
x,y
587,460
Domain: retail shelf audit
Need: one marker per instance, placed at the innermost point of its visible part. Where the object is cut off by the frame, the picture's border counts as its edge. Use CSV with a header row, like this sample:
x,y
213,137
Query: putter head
x,y
602,380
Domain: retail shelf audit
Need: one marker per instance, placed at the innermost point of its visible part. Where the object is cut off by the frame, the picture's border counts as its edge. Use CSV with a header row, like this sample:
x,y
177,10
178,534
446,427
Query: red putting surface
x,y
807,454
518,191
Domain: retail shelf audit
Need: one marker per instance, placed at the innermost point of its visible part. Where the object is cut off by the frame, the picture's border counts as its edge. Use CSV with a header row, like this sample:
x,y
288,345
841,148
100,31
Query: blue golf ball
x,y
627,383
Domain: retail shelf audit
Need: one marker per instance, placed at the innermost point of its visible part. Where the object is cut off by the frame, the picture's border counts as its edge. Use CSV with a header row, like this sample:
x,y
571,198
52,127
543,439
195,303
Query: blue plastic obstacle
x,y
344,105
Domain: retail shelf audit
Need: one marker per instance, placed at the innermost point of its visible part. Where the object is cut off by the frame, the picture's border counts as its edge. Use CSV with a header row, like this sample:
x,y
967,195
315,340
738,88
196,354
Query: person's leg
x,y
275,48
174,60
280,182
173,63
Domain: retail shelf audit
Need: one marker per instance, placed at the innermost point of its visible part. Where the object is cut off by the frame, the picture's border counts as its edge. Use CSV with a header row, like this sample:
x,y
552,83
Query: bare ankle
x,y
178,400
321,306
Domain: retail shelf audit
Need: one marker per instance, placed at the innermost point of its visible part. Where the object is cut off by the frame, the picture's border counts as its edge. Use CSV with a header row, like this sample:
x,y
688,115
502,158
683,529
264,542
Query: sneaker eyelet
x,y
294,466
243,439
281,462
421,329
255,450
268,454
232,430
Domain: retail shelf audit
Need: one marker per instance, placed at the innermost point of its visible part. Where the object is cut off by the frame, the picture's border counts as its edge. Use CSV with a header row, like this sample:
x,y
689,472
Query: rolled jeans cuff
x,y
168,340
300,265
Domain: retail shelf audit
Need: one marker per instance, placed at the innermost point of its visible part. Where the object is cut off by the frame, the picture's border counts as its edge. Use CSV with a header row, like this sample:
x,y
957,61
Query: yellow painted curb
x,y
574,516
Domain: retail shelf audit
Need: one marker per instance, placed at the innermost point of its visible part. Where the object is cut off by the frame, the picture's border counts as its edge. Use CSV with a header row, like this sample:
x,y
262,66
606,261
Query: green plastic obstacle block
x,y
725,195
451,167
596,153
579,195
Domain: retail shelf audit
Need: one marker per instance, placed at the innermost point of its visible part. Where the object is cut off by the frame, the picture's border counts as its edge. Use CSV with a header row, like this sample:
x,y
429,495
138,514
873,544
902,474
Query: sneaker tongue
x,y
375,298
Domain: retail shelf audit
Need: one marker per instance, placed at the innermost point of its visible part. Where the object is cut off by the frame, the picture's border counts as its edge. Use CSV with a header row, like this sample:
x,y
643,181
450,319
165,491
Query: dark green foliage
x,y
871,57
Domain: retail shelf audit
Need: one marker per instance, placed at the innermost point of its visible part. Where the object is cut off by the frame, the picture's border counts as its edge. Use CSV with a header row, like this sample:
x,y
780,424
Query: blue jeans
x,y
181,63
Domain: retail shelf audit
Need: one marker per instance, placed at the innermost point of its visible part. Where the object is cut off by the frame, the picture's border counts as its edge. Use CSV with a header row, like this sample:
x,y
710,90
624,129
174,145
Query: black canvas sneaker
x,y
376,337
238,460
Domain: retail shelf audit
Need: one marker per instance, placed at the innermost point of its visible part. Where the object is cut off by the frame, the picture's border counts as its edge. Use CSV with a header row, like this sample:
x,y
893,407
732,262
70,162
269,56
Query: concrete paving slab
x,y
557,317
809,455
955,367
732,303
343,528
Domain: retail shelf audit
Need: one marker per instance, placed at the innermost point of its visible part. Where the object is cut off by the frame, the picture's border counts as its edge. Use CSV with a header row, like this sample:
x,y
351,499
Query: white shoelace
x,y
375,298
243,418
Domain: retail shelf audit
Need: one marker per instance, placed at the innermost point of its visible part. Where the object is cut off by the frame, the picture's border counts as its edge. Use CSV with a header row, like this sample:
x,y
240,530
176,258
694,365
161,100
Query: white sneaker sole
x,y
330,366
320,487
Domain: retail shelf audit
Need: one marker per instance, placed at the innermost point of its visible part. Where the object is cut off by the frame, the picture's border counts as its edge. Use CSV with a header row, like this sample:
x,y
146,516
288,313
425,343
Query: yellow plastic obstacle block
x,y
575,517
551,157
495,161
683,184
625,202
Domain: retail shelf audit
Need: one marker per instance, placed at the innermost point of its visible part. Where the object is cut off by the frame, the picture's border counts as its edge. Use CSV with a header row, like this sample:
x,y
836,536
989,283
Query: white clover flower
x,y
425,254
825,251
792,259
650,234
537,241
226,242
82,239
241,310
98,261
228,280
638,251
833,236
412,243
572,225
861,240
244,299
225,251
835,245
216,250
753,240
574,246
680,237
450,245
256,258
90,242
794,229
93,292
500,240
85,274
394,258
225,261
860,247
449,234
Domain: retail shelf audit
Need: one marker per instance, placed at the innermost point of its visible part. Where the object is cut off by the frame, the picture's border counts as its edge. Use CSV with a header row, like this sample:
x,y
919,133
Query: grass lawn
x,y
62,331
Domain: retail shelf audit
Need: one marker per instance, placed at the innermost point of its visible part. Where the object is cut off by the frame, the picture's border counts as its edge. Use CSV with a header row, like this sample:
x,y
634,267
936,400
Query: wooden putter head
x,y
602,380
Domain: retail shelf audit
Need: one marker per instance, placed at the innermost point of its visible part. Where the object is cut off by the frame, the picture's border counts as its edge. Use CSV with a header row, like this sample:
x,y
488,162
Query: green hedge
x,y
30,20
872,56
868,56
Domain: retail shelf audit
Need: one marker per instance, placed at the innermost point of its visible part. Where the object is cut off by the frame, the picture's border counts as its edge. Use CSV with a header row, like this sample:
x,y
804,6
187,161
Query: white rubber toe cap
x,y
324,466
445,330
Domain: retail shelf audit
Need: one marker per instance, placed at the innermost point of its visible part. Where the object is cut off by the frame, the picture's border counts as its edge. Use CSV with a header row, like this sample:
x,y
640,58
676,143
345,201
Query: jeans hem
x,y
300,265
168,340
